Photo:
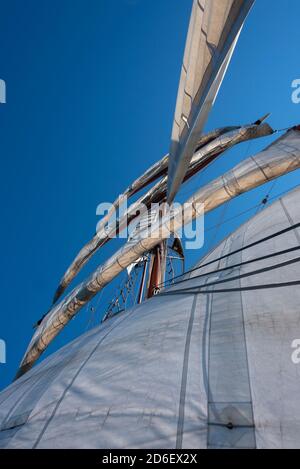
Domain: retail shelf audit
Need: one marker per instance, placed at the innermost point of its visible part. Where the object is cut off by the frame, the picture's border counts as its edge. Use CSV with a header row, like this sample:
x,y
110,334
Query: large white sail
x,y
213,32
196,370
278,159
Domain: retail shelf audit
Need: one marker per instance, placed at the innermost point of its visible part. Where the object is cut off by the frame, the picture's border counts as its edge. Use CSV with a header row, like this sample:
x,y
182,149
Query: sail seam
x,y
291,221
209,314
75,376
180,424
238,277
246,348
234,266
248,246
224,290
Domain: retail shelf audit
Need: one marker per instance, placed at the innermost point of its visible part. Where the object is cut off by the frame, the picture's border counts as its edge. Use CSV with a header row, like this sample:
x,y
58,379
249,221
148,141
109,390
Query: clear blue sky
x,y
91,91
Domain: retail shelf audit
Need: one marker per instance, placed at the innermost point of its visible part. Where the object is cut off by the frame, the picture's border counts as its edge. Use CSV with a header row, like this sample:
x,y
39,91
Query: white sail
x,y
143,379
278,159
213,32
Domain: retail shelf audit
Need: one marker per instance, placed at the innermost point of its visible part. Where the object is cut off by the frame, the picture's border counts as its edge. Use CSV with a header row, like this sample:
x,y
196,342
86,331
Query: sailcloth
x,y
279,158
213,32
196,370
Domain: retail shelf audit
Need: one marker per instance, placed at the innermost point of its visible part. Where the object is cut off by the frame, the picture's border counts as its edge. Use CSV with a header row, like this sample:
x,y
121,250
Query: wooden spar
x,y
164,251
155,274
275,161
223,139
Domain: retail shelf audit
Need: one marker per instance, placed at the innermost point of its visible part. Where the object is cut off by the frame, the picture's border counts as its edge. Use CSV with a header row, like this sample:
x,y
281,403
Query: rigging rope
x,y
277,196
230,279
237,289
282,130
233,217
218,225
234,266
93,311
247,246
